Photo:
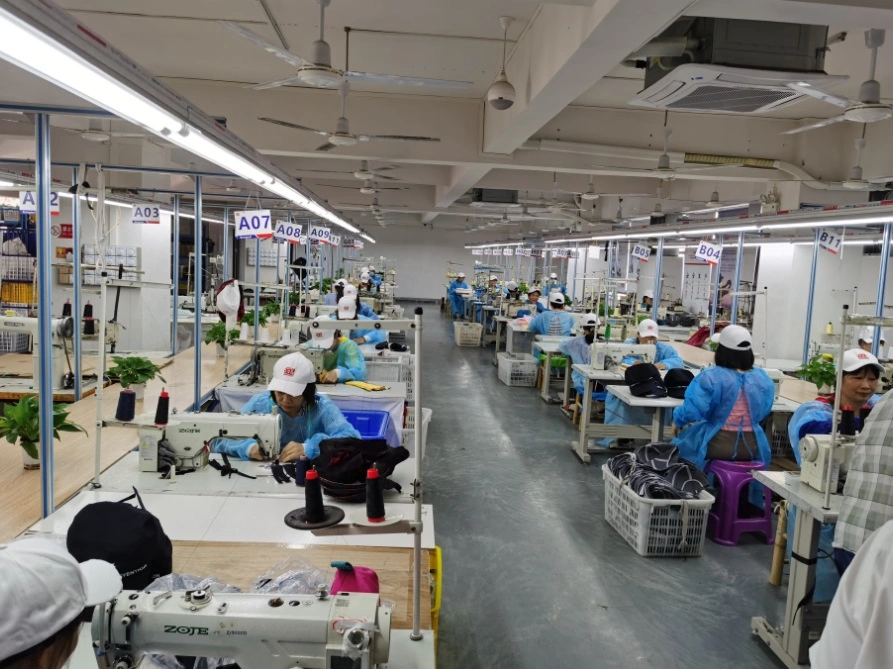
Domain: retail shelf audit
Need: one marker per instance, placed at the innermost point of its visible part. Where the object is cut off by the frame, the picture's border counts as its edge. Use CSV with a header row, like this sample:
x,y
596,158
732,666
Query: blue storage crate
x,y
370,424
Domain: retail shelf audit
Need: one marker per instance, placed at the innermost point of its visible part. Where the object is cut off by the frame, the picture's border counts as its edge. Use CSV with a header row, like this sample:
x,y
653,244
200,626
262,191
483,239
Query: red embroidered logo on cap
x,y
289,371
862,356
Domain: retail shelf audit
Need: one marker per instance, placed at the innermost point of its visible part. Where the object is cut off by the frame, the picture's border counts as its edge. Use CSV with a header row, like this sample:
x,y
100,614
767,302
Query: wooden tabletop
x,y
240,564
20,490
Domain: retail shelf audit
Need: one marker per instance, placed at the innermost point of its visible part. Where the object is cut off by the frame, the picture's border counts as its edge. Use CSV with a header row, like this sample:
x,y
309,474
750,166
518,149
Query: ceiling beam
x,y
461,179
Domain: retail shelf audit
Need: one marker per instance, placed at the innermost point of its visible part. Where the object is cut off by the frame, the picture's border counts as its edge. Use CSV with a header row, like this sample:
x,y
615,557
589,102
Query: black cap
x,y
644,381
129,537
677,382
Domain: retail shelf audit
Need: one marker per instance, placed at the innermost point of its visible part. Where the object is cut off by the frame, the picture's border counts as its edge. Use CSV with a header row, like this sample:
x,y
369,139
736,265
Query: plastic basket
x,y
468,334
409,430
518,370
384,370
779,440
370,424
656,527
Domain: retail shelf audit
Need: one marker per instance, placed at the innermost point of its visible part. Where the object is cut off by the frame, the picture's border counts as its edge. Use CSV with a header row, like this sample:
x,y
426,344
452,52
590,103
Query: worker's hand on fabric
x,y
166,456
660,365
254,453
244,449
292,451
329,377
359,340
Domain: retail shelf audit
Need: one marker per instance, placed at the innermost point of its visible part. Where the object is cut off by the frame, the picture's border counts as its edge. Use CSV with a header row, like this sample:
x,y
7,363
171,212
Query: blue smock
x,y
578,350
457,302
331,300
366,310
322,421
815,418
618,412
375,280
556,287
371,336
558,323
349,362
709,401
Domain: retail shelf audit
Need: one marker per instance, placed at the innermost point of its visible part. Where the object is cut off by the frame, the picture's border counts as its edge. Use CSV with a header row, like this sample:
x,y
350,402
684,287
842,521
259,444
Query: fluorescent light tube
x,y
830,222
6,184
367,238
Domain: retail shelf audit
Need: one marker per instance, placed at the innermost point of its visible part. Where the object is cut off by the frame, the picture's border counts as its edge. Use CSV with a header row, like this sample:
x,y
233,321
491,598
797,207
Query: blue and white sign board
x,y
709,253
641,252
830,240
28,202
317,233
336,240
146,214
477,252
508,251
288,232
256,224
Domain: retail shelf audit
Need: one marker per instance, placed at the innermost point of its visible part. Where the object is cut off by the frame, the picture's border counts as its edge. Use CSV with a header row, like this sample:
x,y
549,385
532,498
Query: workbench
x,y
790,641
658,404
500,321
549,346
581,445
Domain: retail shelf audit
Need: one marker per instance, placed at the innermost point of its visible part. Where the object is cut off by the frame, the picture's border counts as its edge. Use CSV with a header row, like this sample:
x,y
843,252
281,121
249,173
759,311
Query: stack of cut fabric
x,y
656,471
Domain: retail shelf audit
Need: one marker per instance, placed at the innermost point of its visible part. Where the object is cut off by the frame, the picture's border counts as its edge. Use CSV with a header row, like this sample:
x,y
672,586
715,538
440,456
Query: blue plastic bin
x,y
370,424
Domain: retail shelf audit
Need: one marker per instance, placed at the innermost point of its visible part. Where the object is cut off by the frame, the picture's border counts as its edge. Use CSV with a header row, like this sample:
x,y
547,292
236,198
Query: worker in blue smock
x,y
347,311
725,404
619,412
577,349
374,277
342,361
553,285
305,418
533,305
363,309
457,302
556,322
337,293
511,291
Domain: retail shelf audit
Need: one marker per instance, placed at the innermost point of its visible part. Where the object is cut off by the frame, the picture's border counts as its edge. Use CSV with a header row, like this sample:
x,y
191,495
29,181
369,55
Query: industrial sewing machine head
x,y
607,355
61,329
777,377
258,631
815,458
511,307
187,435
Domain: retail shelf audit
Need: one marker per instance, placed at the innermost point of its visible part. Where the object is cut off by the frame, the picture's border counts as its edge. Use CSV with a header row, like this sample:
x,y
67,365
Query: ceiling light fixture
x,y
367,238
501,94
6,184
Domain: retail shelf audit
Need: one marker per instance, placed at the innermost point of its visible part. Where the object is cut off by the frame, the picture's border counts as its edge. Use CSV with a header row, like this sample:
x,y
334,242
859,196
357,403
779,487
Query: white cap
x,y
512,285
363,269
553,275
341,282
534,289
493,277
320,338
371,268
347,308
461,275
866,334
43,589
590,320
733,337
350,290
647,328
855,359
229,299
556,298
291,374
648,293
364,277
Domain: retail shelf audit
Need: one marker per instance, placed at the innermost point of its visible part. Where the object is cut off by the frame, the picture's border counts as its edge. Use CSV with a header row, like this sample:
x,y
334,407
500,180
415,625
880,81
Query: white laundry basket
x,y
409,430
468,334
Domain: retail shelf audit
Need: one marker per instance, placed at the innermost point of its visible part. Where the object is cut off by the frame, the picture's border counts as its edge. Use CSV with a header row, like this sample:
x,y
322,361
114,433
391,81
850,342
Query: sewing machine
x,y
511,308
258,631
62,328
777,377
605,355
187,434
815,456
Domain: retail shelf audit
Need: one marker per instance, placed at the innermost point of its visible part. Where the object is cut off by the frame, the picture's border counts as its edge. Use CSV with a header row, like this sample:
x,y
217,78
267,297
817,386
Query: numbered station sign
x,y
146,214
318,233
336,240
641,252
288,232
830,240
28,202
710,253
508,251
477,252
256,224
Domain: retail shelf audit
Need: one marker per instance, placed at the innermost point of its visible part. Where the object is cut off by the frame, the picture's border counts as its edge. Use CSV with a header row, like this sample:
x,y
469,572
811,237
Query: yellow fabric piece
x,y
362,385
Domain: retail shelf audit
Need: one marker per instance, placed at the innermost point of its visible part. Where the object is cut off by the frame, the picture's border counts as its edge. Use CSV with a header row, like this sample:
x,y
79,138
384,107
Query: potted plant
x,y
21,422
271,310
133,372
247,323
219,335
820,371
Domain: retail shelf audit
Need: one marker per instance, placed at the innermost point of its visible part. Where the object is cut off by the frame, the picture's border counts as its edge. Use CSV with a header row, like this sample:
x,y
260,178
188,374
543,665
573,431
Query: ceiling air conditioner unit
x,y
494,198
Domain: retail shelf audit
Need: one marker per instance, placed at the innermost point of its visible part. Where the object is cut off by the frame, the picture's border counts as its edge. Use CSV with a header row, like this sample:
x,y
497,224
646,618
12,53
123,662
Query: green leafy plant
x,y
133,369
249,318
820,371
272,308
522,288
218,335
294,298
21,422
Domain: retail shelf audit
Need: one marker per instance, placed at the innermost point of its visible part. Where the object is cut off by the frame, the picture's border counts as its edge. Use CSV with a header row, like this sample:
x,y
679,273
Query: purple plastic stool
x,y
725,524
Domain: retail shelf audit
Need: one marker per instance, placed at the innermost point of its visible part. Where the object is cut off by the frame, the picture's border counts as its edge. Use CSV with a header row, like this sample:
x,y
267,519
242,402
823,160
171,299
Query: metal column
x,y
574,281
44,341
225,242
811,297
175,230
715,270
608,292
881,286
256,290
197,232
76,297
658,279
736,286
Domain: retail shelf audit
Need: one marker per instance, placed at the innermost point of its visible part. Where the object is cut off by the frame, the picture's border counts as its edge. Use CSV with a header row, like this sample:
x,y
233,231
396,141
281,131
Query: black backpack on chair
x,y
342,465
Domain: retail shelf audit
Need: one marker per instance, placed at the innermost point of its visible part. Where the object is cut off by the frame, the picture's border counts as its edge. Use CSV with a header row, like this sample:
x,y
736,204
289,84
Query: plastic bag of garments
x,y
290,577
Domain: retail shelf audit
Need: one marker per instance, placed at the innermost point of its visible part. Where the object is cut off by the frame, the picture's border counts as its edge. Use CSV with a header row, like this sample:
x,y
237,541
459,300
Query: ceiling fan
x,y
368,187
95,132
590,195
342,135
867,109
318,71
365,173
855,180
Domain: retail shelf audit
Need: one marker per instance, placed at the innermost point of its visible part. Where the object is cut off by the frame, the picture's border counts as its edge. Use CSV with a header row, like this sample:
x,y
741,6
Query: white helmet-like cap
x,y
534,289
648,293
647,328
866,334
350,290
320,338
291,374
553,275
590,320
855,359
347,308
364,277
341,282
363,269
512,285
371,268
493,277
733,337
461,275
556,298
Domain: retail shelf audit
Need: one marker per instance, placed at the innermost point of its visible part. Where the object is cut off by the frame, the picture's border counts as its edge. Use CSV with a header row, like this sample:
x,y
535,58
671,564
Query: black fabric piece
x,y
342,465
677,381
279,473
226,469
644,381
655,471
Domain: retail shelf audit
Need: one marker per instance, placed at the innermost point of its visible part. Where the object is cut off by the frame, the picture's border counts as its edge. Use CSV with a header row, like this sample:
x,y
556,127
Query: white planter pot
x,y
243,331
139,389
28,462
264,335
220,351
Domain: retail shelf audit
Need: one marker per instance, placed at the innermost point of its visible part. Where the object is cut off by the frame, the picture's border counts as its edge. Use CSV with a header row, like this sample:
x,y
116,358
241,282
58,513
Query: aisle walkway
x,y
534,576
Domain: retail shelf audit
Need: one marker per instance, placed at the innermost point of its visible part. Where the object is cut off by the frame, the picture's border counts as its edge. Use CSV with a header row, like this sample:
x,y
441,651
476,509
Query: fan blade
x,y
273,84
817,124
293,126
327,171
823,96
269,47
573,217
328,146
704,168
396,138
390,188
881,180
384,168
384,176
334,186
644,170
406,81
626,194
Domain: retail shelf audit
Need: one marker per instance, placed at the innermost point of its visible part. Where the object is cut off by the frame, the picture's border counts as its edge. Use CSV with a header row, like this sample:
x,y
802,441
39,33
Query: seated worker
x,y
577,349
338,292
866,339
492,286
305,417
554,285
533,305
45,596
647,299
347,311
343,361
457,302
374,277
556,322
366,282
619,412
511,291
725,404
363,309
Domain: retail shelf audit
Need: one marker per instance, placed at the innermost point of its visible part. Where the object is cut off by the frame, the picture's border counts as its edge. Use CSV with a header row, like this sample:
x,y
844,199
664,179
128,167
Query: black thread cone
x,y
292,309
374,497
161,412
126,406
315,512
88,310
66,309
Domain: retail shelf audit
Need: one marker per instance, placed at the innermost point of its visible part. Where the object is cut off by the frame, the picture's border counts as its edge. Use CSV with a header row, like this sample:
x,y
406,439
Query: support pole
x,y
197,234
45,313
608,284
76,297
175,229
256,290
881,287
658,279
226,243
416,634
715,270
739,260
574,281
810,299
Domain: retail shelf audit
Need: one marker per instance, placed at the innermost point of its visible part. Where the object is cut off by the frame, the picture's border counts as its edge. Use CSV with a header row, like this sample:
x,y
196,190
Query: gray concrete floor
x,y
533,575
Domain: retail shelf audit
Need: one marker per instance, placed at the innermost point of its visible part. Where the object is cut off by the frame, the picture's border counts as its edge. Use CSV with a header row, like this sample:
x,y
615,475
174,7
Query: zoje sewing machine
x,y
258,631
815,458
607,355
62,329
187,435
